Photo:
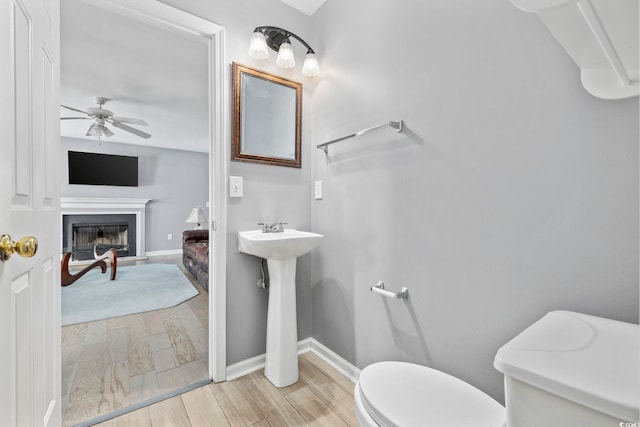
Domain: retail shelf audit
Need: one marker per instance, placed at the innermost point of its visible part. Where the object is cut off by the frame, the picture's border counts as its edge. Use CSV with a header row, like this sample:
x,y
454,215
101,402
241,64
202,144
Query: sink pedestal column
x,y
281,361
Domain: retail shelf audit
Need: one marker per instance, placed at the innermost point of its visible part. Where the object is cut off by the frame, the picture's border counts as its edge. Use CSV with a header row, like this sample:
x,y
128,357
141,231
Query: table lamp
x,y
196,217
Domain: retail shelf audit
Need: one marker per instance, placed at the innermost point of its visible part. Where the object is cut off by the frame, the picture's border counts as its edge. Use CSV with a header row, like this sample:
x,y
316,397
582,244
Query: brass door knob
x,y
26,247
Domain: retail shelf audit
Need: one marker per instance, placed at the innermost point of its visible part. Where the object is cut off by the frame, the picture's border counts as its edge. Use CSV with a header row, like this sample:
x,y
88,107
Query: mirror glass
x,y
267,114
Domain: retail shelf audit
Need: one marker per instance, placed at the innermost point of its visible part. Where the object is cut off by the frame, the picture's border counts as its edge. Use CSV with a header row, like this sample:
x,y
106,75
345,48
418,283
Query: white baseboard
x,y
256,363
166,252
245,367
336,361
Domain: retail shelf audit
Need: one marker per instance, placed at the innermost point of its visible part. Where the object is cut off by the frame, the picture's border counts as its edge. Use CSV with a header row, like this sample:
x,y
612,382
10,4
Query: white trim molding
x,y
337,362
102,202
165,252
256,363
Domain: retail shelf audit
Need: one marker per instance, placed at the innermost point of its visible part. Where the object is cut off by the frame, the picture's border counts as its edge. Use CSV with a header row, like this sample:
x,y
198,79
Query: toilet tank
x,y
572,369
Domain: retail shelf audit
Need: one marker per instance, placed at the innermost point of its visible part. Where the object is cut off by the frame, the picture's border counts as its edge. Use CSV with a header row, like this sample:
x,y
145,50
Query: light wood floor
x,y
322,397
112,364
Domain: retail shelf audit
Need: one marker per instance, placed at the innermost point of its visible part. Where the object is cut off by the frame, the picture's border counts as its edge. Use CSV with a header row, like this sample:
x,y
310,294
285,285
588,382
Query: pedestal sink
x,y
280,250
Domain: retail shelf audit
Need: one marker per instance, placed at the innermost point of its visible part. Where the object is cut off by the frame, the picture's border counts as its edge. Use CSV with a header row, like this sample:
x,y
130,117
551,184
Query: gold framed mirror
x,y
267,118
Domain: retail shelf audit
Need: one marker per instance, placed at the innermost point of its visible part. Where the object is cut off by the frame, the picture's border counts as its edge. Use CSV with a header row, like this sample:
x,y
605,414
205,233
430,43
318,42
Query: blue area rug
x,y
137,289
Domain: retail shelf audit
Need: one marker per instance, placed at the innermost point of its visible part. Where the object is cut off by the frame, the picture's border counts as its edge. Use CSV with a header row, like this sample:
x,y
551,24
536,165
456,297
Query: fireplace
x,y
91,235
92,226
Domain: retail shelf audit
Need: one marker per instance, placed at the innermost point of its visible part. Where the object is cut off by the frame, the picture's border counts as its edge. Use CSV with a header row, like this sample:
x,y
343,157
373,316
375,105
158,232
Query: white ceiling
x,y
152,74
307,6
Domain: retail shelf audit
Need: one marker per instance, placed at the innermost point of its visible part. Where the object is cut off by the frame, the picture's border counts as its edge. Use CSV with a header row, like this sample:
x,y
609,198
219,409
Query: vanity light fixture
x,y
279,40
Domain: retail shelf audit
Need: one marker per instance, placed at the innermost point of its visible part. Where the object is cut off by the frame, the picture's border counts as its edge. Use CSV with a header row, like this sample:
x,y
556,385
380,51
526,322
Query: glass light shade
x,y
285,57
94,130
106,131
258,47
310,67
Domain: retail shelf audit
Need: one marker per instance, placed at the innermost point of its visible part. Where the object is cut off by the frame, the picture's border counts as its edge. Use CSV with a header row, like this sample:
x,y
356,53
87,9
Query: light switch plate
x,y
235,186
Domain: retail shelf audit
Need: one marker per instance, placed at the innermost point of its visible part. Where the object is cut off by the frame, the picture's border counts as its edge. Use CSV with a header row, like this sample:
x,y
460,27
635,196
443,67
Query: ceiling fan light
x,y
258,46
285,57
106,131
310,66
94,130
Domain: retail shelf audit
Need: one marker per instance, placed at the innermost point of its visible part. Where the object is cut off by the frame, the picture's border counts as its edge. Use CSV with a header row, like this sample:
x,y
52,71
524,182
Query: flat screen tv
x,y
102,169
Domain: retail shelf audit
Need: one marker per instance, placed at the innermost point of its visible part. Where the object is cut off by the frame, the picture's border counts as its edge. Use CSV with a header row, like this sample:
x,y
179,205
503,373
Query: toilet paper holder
x,y
379,289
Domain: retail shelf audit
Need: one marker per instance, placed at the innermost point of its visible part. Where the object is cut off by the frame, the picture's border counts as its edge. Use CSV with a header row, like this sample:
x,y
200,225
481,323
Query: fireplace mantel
x,y
105,206
99,202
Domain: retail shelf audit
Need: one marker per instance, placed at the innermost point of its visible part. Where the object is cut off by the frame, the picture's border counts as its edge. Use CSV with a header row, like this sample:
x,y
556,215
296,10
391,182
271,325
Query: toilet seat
x,y
405,394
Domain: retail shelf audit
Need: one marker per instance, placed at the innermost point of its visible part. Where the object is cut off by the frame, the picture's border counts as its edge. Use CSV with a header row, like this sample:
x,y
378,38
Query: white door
x,y
29,182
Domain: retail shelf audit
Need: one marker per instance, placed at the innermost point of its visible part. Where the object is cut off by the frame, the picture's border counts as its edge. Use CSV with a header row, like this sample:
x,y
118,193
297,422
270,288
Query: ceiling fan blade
x,y
74,109
130,121
75,118
129,129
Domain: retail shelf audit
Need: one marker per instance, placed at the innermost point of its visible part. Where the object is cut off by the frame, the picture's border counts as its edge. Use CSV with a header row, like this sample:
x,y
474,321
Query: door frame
x,y
154,12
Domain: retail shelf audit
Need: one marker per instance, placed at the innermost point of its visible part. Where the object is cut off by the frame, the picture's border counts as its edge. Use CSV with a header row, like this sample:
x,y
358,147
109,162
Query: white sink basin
x,y
280,250
287,244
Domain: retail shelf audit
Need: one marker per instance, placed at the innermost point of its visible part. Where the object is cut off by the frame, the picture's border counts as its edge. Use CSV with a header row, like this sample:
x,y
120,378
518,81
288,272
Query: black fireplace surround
x,y
101,232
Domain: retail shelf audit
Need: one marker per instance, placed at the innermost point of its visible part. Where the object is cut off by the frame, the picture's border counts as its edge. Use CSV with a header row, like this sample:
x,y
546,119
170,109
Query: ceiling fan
x,y
103,116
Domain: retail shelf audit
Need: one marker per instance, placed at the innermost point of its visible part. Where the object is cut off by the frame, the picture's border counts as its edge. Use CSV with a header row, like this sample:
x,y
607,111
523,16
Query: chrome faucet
x,y
274,227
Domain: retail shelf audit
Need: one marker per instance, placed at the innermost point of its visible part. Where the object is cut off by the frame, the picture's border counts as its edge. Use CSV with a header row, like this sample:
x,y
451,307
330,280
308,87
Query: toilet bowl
x,y
405,394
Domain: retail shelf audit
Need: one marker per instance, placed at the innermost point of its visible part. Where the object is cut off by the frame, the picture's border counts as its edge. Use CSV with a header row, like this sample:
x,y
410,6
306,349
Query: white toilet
x,y
567,369
404,394
572,369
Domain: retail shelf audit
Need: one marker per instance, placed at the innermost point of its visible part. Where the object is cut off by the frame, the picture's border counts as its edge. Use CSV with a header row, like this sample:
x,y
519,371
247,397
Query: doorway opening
x,y
130,375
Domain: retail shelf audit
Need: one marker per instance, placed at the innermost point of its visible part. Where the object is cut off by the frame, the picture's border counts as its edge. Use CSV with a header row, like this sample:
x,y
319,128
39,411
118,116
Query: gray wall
x,y
270,192
511,193
176,181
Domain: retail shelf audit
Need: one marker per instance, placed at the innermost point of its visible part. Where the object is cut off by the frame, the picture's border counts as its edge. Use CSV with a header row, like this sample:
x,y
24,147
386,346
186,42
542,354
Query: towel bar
x,y
395,125
379,289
